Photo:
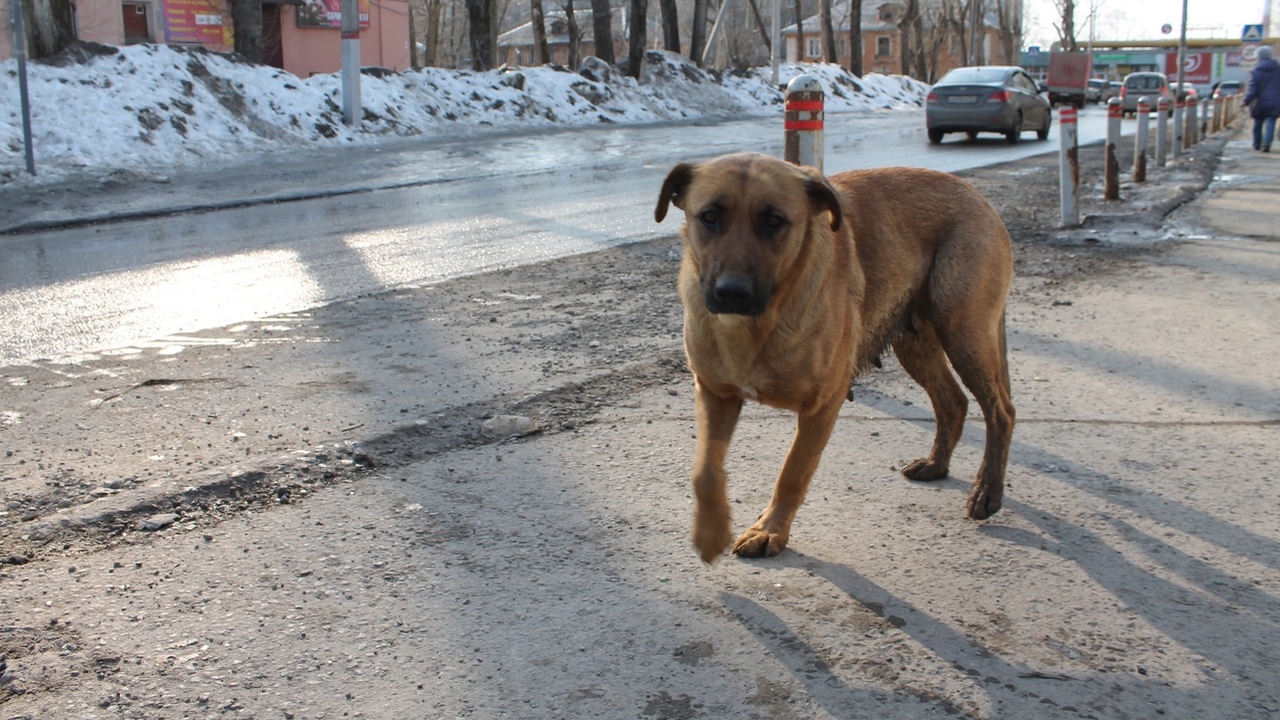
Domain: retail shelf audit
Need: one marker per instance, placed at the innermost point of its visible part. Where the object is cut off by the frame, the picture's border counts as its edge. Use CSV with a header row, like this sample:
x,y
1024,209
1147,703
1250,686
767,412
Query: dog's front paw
x,y
711,535
756,543
924,470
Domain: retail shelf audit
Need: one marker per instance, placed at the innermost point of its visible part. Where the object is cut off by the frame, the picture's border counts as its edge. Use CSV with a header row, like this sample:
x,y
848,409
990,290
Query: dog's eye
x,y
774,221
710,218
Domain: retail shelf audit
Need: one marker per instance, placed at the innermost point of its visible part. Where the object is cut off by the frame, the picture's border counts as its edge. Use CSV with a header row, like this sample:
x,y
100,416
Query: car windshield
x,y
960,76
1144,82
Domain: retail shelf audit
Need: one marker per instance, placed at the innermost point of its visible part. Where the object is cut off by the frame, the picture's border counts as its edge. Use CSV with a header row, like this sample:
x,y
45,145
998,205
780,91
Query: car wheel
x,y
1043,133
1015,133
972,135
935,136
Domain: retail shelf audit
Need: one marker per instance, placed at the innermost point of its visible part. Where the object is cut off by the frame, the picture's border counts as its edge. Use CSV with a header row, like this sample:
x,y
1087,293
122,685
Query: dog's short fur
x,y
793,283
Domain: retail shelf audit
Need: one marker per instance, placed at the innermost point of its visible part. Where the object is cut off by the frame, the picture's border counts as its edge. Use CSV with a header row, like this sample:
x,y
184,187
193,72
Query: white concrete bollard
x,y
803,122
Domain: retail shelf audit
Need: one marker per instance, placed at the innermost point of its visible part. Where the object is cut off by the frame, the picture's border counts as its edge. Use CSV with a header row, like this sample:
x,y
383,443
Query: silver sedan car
x,y
987,98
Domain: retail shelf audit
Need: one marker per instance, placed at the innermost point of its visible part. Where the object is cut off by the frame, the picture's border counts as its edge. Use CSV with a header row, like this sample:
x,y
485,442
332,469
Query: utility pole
x,y
20,52
776,41
1182,53
352,112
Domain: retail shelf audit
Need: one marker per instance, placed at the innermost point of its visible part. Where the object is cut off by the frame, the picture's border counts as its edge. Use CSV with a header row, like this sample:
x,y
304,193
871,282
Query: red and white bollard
x,y
1140,142
1162,130
1068,167
1111,185
803,122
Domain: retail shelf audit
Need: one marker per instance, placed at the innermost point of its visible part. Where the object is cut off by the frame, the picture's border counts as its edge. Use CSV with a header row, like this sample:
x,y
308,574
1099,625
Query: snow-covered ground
x,y
158,106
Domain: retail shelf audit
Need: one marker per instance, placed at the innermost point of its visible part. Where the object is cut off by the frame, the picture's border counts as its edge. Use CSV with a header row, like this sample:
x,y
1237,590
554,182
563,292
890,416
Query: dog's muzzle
x,y
735,294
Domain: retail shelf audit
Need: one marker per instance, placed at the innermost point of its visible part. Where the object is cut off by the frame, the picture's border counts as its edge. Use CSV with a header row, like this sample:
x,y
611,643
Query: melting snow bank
x,y
99,108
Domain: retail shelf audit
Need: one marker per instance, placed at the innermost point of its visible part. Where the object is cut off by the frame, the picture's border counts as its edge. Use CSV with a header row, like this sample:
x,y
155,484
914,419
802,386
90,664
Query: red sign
x,y
1198,67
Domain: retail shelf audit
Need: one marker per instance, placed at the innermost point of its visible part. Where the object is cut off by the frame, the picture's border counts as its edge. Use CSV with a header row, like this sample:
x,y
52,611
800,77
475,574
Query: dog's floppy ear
x,y
673,189
824,196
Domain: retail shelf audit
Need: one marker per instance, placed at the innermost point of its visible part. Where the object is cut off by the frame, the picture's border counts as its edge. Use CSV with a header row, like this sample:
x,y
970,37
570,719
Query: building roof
x,y
876,16
554,20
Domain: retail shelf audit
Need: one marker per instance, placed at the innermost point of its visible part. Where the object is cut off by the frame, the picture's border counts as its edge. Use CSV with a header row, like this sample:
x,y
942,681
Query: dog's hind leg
x,y
770,533
923,358
981,360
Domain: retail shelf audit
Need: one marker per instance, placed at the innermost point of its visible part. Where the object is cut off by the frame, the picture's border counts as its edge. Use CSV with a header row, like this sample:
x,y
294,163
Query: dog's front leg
x,y
770,533
717,417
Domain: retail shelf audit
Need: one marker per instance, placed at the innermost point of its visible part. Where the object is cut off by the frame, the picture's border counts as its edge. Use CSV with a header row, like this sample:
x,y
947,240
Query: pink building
x,y
299,36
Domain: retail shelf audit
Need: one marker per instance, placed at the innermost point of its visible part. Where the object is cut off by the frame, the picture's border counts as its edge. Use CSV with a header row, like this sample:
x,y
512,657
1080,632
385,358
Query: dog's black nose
x,y
733,290
735,295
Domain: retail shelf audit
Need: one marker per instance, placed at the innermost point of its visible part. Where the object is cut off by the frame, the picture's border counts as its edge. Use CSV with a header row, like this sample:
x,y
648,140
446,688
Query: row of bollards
x,y
1189,125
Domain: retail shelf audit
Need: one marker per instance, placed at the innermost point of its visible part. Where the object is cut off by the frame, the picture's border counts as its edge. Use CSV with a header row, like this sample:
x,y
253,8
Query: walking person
x,y
1263,98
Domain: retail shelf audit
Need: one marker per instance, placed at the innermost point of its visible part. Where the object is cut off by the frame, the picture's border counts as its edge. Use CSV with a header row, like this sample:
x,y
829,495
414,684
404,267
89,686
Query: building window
x,y
815,47
884,46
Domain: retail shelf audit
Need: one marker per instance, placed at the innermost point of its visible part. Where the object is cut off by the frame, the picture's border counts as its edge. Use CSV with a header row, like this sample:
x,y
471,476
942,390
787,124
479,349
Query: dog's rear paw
x,y
756,543
984,503
924,470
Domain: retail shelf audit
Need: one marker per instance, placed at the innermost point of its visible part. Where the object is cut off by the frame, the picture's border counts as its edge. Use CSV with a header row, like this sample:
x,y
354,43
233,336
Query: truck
x,y
1068,79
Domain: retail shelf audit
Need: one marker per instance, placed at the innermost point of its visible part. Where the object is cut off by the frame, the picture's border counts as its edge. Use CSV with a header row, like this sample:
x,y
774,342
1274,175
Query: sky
x,y
1129,20
151,107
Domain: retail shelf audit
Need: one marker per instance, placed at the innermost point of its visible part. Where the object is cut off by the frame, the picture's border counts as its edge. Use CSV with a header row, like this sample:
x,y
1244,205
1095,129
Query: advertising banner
x,y
193,21
1198,67
328,14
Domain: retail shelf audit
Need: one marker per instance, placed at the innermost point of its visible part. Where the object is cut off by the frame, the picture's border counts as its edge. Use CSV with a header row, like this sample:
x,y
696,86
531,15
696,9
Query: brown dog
x,y
793,284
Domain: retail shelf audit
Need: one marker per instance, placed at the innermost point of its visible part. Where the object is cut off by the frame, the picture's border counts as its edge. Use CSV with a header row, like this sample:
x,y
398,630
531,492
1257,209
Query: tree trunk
x,y
639,9
49,29
855,37
764,31
906,29
431,53
575,36
481,20
828,32
602,25
671,26
539,31
246,26
1068,31
698,34
800,49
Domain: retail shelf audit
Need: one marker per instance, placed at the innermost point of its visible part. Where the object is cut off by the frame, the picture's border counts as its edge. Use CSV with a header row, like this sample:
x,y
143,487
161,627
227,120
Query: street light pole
x,y
20,53
1182,52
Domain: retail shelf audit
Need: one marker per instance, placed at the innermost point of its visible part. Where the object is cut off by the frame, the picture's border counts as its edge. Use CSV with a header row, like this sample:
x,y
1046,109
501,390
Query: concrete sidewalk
x,y
1244,199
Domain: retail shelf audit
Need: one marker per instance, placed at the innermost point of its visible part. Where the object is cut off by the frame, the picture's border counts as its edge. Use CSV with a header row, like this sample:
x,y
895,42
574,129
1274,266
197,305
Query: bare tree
x,y
670,25
829,49
602,25
637,21
908,30
539,22
1009,16
855,37
799,14
484,22
575,35
246,24
49,28
1066,26
698,35
764,31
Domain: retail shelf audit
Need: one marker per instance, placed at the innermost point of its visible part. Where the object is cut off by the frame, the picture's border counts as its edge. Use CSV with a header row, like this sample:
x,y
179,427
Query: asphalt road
x,y
198,249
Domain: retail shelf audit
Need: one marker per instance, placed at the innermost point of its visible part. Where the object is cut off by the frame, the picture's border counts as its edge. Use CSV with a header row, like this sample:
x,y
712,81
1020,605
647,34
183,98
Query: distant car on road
x,y
1152,85
1113,90
987,98
1096,89
1227,88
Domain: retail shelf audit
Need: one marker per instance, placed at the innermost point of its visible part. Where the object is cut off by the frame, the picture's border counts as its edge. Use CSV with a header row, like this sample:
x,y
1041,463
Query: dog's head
x,y
747,217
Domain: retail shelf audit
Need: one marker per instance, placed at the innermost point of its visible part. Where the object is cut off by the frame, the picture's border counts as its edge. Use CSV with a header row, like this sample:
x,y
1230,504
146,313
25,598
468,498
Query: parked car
x,y
1186,90
987,98
1113,90
1227,88
1096,89
1152,85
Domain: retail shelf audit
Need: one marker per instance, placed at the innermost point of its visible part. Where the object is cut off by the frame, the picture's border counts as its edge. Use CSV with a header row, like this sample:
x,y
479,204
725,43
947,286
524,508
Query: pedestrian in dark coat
x,y
1263,98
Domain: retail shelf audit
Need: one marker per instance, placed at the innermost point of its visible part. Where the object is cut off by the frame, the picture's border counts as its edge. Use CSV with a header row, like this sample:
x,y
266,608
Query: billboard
x,y
194,22
328,14
1198,67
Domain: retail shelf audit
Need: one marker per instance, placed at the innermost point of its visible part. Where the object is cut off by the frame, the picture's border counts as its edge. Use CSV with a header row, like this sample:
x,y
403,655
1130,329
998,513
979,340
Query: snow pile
x,y
101,108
